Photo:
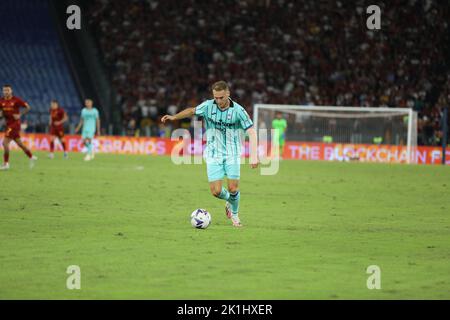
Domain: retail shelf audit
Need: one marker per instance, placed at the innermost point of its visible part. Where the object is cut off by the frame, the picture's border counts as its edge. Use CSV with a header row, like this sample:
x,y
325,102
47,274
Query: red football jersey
x,y
10,107
57,115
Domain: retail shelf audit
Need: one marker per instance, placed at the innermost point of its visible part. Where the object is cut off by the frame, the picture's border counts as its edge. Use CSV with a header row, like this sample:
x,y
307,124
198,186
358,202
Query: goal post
x,y
394,128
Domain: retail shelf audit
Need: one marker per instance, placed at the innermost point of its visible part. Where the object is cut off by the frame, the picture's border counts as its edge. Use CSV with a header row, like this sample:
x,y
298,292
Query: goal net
x,y
363,128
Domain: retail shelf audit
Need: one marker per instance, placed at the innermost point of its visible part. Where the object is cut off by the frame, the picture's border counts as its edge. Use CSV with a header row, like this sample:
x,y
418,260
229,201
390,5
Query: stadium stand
x,y
36,68
163,55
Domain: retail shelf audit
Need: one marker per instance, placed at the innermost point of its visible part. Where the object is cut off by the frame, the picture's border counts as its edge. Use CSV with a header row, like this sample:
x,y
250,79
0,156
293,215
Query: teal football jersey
x,y
225,130
89,119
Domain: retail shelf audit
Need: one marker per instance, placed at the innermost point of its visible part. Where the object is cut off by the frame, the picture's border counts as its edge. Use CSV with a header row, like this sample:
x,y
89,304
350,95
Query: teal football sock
x,y
234,201
224,195
89,148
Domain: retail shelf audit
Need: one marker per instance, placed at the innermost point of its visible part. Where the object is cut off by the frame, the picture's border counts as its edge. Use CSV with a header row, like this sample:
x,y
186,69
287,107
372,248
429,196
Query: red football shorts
x,y
57,132
13,132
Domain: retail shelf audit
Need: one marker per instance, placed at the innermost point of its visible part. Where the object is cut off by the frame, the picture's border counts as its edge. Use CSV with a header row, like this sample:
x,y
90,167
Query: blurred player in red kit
x,y
57,119
10,107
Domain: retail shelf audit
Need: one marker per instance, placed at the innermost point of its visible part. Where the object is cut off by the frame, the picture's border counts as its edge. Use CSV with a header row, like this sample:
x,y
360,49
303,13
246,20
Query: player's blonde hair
x,y
220,86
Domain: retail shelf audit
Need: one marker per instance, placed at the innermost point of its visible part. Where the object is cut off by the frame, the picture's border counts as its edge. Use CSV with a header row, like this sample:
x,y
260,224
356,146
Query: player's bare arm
x,y
79,126
187,113
254,161
98,127
27,109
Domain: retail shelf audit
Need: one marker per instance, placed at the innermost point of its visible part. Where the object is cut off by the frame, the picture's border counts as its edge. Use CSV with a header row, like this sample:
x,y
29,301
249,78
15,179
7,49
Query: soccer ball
x,y
200,219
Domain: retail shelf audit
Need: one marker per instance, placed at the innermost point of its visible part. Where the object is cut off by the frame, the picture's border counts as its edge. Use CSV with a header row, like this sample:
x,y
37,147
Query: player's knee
x,y
233,187
216,192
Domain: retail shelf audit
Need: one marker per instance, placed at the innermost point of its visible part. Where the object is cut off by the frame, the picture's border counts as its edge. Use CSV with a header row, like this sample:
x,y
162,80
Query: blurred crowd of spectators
x,y
164,54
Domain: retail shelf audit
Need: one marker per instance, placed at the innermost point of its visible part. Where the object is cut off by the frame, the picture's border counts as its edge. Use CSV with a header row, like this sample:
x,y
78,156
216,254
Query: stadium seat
x,y
37,68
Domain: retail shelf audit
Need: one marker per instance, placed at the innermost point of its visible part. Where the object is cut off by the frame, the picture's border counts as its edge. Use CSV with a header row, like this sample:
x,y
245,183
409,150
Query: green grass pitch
x,y
310,231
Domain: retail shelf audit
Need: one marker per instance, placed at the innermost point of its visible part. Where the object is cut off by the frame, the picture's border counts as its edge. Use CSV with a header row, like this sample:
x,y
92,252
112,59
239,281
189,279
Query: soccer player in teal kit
x,y
225,120
90,121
